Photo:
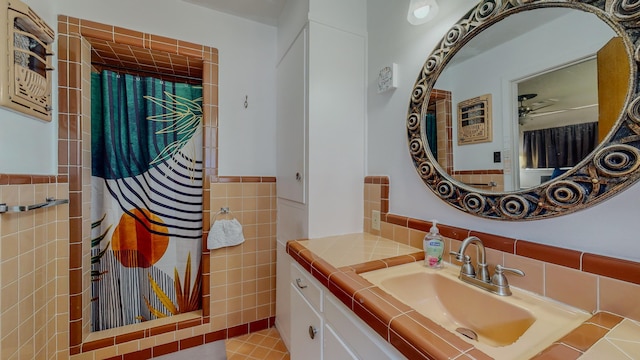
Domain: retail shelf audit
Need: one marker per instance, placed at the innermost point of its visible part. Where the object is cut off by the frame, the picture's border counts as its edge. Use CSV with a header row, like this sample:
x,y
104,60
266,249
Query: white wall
x,y
602,229
336,136
247,55
35,140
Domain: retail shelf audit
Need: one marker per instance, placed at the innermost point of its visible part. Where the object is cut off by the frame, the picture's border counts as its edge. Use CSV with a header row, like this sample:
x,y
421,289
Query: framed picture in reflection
x,y
474,120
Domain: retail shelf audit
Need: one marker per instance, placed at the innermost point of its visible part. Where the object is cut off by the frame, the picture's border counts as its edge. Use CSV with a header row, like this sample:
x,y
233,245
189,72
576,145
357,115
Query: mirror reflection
x,y
549,100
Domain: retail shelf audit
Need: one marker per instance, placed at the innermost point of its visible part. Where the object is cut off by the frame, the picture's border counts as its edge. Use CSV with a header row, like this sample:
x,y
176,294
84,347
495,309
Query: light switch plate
x,y
375,220
496,157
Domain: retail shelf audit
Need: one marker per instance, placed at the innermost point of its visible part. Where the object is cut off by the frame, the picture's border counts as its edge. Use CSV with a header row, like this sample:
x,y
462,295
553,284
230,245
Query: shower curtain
x,y
432,133
146,207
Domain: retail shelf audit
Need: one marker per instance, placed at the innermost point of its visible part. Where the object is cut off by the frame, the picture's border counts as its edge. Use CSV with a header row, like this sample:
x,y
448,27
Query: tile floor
x,y
261,345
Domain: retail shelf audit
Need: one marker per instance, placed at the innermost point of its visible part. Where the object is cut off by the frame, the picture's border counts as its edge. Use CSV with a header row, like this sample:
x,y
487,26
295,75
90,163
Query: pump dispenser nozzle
x,y
434,228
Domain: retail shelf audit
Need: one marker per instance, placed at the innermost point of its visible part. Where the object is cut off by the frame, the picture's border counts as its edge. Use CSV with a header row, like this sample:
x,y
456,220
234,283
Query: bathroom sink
x,y
449,302
504,327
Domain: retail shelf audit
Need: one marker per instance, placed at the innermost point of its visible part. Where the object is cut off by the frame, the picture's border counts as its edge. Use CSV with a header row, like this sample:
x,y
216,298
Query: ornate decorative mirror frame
x,y
613,166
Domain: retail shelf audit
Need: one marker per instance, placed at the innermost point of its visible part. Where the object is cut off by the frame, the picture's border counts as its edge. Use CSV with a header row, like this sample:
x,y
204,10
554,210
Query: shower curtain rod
x,y
116,67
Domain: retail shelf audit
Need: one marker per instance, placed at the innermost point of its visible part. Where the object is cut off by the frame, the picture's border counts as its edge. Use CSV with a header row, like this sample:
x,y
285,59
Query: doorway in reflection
x,y
564,113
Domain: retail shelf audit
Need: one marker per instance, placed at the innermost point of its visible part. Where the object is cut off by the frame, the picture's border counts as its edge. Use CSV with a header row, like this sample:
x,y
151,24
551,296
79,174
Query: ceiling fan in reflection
x,y
527,111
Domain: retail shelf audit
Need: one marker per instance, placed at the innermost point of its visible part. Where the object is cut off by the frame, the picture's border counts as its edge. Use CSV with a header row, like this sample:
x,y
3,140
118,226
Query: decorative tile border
x,y
245,179
576,343
183,344
614,268
383,181
19,179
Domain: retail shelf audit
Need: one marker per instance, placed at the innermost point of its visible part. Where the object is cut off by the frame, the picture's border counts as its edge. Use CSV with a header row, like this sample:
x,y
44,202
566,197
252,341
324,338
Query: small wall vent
x,y
26,62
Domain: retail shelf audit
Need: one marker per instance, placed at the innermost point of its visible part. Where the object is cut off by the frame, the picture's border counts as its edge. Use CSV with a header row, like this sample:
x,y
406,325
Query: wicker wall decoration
x,y
25,61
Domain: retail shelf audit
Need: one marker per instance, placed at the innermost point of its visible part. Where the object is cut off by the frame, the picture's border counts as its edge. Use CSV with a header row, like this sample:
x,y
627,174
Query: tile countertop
x,y
354,249
336,262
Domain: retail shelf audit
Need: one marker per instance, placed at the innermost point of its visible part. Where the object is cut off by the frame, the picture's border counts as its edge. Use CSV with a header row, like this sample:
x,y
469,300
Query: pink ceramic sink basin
x,y
495,322
504,327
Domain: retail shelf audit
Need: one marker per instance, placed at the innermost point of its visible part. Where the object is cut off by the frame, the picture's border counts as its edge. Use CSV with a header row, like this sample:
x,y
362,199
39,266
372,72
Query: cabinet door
x,y
334,348
356,334
291,120
283,310
306,329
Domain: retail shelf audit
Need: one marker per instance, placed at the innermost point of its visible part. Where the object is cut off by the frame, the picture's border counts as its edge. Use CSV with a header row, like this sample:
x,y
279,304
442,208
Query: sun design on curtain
x,y
146,197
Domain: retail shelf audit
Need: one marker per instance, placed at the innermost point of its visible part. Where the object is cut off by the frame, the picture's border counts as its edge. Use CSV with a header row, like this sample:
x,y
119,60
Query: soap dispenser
x,y
433,247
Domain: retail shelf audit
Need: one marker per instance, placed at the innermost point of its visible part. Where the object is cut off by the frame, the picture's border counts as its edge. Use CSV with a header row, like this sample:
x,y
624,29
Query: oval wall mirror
x,y
530,109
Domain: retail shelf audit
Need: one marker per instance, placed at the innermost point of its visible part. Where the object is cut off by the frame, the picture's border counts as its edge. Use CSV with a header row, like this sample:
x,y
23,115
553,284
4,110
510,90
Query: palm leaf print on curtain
x,y
146,153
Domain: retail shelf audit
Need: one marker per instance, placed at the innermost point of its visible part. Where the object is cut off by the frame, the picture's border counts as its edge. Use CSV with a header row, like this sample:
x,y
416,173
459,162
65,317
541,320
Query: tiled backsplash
x,y
588,281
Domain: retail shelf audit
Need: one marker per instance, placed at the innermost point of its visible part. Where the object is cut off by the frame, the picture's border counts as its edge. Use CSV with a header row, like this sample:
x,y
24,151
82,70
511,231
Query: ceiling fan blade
x,y
547,113
535,109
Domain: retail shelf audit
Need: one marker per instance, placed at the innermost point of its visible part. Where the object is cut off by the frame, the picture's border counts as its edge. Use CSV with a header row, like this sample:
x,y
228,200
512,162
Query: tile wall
x,y
488,180
442,99
243,278
33,268
376,197
587,281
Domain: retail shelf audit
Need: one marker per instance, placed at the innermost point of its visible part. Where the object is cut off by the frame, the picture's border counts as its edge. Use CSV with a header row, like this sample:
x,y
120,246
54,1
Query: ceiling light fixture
x,y
421,11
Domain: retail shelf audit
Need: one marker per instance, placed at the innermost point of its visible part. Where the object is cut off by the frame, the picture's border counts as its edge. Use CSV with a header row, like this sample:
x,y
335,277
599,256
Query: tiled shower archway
x,y
128,49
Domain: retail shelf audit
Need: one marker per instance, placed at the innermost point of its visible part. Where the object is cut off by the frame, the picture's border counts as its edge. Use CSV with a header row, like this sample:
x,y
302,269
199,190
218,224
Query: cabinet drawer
x,y
309,287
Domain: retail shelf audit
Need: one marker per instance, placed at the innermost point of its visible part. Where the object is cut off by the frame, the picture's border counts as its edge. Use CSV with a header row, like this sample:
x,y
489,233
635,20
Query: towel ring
x,y
223,211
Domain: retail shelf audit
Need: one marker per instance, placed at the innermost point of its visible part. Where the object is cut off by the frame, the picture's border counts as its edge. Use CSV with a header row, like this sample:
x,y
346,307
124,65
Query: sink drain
x,y
468,333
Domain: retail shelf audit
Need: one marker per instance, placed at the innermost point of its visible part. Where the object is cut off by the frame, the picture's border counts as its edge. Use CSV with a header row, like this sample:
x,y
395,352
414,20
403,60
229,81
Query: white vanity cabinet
x,y
323,328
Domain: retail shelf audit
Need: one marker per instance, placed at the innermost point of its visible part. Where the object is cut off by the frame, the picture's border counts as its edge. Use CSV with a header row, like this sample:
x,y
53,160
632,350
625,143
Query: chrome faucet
x,y
496,284
481,254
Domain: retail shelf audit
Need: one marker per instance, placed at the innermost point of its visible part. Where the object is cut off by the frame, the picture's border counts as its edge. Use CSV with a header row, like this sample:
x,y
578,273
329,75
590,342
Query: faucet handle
x,y
457,254
467,268
498,277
